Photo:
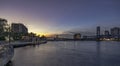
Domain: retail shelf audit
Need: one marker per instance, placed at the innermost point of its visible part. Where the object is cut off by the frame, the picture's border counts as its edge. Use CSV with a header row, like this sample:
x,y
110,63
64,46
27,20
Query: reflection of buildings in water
x,y
98,54
75,44
65,45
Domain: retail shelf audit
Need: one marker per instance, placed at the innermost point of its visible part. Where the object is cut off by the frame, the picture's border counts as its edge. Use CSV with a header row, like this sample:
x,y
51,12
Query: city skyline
x,y
58,16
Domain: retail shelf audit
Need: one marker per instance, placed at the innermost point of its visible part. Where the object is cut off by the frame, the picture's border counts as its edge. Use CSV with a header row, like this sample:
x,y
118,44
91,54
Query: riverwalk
x,y
16,44
21,44
6,51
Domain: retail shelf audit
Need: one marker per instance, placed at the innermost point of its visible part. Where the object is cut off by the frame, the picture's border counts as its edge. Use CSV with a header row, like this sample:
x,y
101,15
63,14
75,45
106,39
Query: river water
x,y
68,53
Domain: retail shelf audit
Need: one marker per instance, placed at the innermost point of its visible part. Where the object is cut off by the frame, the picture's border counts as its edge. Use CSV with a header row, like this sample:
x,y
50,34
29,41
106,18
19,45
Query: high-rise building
x,y
18,31
115,31
98,32
19,28
106,33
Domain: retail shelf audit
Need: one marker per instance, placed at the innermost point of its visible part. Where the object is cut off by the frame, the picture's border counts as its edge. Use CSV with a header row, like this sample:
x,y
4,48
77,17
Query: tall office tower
x,y
98,32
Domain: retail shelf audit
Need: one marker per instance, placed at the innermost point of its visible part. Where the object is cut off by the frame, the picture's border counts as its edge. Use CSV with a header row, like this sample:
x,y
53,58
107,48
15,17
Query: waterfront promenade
x,y
21,44
7,49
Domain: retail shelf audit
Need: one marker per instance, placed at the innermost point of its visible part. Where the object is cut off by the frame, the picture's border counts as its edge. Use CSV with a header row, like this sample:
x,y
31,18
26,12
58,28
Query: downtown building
x,y
18,30
98,36
107,34
115,32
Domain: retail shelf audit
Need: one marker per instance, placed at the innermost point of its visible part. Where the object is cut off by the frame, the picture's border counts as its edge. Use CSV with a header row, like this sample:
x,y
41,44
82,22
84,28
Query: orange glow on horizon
x,y
45,34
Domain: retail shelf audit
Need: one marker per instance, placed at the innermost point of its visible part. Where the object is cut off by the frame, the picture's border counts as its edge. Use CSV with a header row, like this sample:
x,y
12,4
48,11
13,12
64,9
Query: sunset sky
x,y
57,16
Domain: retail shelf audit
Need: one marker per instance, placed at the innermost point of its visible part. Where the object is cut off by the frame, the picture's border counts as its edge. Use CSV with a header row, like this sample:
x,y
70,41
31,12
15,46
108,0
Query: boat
x,y
6,54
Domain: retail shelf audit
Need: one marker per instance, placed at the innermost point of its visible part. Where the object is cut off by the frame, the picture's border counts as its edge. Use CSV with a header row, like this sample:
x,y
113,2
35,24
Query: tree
x,y
3,24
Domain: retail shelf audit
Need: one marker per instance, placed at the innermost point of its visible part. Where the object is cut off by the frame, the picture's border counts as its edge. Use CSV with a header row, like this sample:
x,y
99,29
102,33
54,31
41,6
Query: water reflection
x,y
98,56
74,53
